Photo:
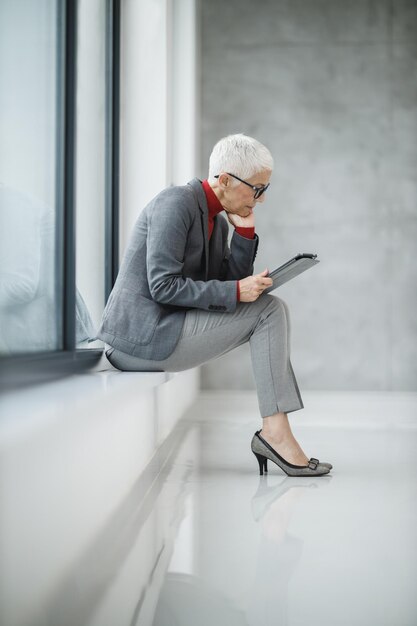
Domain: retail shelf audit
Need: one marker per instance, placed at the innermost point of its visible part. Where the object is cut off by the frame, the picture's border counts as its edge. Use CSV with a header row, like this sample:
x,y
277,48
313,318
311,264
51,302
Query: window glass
x,y
90,168
143,108
30,290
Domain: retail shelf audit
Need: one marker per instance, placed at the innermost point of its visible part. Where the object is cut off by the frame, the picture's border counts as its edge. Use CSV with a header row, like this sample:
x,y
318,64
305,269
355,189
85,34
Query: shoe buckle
x,y
313,463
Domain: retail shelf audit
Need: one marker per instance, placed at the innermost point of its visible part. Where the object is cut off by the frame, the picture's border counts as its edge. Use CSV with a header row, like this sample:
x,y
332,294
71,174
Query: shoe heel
x,y
262,460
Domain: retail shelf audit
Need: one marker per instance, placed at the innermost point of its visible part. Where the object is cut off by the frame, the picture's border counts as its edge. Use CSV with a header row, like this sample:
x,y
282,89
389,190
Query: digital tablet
x,y
290,269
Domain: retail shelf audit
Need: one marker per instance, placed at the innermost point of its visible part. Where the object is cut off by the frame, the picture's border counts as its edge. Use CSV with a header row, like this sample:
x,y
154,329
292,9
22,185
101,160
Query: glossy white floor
x,y
203,540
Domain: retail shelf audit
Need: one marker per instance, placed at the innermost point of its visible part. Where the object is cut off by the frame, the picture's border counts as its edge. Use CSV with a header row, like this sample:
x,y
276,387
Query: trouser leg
x,y
208,335
276,385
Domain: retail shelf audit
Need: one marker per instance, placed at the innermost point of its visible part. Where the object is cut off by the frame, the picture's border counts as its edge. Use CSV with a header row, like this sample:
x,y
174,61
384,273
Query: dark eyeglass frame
x,y
258,190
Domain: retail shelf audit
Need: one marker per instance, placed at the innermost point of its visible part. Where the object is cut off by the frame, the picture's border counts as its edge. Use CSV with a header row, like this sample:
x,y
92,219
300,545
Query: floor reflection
x,y
279,551
202,539
188,598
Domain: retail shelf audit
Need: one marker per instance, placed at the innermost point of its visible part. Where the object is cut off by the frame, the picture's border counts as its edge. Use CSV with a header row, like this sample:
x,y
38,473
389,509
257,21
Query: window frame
x,y
39,367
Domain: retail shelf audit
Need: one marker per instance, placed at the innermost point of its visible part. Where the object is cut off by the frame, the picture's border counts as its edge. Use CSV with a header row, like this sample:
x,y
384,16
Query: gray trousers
x,y
206,335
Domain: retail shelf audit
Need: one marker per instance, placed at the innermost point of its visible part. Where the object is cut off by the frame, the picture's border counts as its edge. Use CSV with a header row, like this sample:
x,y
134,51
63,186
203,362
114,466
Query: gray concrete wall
x,y
331,88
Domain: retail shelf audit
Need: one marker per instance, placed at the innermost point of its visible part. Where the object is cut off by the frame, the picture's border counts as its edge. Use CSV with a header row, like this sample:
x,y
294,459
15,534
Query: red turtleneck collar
x,y
213,204
214,207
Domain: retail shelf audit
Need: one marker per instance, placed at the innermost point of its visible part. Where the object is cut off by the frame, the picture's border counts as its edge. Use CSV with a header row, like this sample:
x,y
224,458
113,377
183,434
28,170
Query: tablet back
x,y
292,268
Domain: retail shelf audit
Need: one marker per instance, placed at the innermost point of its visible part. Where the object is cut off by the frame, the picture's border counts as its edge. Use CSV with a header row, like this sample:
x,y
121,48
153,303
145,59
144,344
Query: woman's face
x,y
239,198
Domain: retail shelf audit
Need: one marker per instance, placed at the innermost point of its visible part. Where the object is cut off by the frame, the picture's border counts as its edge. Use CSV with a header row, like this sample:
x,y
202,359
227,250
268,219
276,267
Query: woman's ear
x,y
224,181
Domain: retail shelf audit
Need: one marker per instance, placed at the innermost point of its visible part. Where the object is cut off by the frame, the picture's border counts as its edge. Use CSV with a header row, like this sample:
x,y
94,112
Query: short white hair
x,y
240,155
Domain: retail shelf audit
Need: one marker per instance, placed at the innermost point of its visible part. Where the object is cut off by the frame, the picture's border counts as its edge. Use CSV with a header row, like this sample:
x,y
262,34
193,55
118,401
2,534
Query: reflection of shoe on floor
x,y
263,451
265,496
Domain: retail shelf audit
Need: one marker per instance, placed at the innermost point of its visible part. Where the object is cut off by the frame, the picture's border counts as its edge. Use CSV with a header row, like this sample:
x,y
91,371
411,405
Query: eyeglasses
x,y
258,190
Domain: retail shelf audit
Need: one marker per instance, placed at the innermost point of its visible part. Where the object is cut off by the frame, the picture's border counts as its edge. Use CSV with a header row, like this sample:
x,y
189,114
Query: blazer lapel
x,y
202,204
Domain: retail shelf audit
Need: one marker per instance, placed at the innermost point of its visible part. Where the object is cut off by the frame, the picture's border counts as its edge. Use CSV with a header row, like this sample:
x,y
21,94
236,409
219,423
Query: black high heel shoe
x,y
263,451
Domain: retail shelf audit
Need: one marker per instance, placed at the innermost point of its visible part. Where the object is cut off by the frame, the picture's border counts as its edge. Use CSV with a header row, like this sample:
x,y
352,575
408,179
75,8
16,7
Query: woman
x,y
183,297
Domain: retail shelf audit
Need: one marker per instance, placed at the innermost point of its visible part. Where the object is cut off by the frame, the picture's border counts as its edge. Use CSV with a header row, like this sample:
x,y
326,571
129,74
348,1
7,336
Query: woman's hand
x,y
242,222
250,288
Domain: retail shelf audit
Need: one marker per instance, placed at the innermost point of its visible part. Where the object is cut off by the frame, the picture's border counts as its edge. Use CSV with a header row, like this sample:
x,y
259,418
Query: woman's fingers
x,y
253,286
265,282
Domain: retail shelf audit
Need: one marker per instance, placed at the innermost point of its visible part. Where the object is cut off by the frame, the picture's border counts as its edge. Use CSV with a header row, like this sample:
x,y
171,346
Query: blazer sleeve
x,y
168,226
239,259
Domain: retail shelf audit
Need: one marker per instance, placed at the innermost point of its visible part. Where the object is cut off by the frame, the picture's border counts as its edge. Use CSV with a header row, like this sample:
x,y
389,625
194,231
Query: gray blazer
x,y
169,267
